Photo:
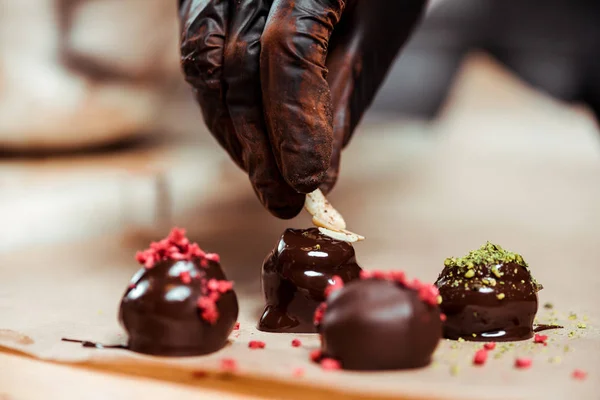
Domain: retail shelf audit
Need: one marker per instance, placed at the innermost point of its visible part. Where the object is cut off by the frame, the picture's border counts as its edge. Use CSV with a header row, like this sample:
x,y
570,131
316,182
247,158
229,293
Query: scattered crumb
x,y
480,357
523,363
581,325
256,344
454,370
490,346
579,374
548,306
237,326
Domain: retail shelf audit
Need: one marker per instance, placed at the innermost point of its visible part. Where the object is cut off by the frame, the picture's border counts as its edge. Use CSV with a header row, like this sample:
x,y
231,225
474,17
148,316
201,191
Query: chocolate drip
x,y
86,343
379,325
295,275
161,314
545,327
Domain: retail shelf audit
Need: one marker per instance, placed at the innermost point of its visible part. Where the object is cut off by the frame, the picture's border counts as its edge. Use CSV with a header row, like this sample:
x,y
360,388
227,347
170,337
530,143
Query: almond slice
x,y
343,235
323,213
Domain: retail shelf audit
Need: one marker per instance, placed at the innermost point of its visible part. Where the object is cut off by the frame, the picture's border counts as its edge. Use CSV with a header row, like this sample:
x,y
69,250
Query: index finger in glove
x,y
296,96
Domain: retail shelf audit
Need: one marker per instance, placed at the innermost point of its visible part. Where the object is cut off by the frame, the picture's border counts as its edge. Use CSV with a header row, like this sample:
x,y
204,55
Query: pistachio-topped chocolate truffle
x,y
489,294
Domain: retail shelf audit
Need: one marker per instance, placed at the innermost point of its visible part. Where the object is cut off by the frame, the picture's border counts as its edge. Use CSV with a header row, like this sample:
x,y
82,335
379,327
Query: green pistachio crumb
x,y
581,325
454,370
461,339
500,296
470,273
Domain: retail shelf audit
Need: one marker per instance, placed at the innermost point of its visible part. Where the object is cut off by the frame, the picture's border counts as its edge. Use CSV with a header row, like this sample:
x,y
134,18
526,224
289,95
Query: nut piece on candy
x,y
329,221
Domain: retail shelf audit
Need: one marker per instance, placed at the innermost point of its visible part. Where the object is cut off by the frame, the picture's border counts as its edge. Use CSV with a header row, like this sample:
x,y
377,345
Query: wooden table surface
x,y
32,379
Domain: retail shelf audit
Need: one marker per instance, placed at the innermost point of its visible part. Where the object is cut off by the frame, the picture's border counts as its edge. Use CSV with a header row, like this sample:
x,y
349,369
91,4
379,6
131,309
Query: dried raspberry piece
x,y
579,374
319,313
480,357
523,363
296,343
398,276
204,263
213,257
229,365
490,346
365,274
540,339
194,251
330,364
237,326
185,277
428,294
316,355
379,274
212,285
256,344
225,286
337,284
209,309
443,317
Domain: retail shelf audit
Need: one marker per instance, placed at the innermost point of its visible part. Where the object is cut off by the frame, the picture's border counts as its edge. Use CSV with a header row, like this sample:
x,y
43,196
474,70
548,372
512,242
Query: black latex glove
x,y
282,84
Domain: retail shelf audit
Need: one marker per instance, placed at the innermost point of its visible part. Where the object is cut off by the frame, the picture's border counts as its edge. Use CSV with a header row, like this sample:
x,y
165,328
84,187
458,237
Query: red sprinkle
x,y
443,317
185,277
365,274
229,365
316,355
523,363
490,346
174,247
480,357
212,257
237,326
256,344
330,364
296,343
540,339
579,374
298,372
337,284
319,313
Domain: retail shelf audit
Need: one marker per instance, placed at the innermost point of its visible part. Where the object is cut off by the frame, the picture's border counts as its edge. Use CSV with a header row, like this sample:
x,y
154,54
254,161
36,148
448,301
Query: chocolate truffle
x,y
295,275
488,295
179,303
382,322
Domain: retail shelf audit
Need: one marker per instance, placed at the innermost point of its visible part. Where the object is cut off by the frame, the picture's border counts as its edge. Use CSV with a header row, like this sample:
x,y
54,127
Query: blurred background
x,y
99,133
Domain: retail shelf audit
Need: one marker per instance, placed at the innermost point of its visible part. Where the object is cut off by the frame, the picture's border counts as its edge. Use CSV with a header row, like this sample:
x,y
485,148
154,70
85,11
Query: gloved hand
x,y
282,84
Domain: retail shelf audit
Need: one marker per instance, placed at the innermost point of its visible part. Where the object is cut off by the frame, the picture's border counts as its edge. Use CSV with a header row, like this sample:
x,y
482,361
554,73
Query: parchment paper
x,y
531,185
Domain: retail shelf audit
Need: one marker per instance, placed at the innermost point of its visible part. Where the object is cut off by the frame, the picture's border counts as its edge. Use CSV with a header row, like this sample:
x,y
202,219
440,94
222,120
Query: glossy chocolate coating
x,y
379,325
161,315
498,303
295,275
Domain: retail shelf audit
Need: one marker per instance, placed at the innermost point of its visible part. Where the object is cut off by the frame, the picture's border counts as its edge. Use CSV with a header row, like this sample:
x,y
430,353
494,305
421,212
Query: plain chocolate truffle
x,y
295,275
488,295
380,324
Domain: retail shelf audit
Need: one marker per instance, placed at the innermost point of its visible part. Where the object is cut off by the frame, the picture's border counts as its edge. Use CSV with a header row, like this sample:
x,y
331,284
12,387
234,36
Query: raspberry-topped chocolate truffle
x,y
179,303
488,295
381,322
295,275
